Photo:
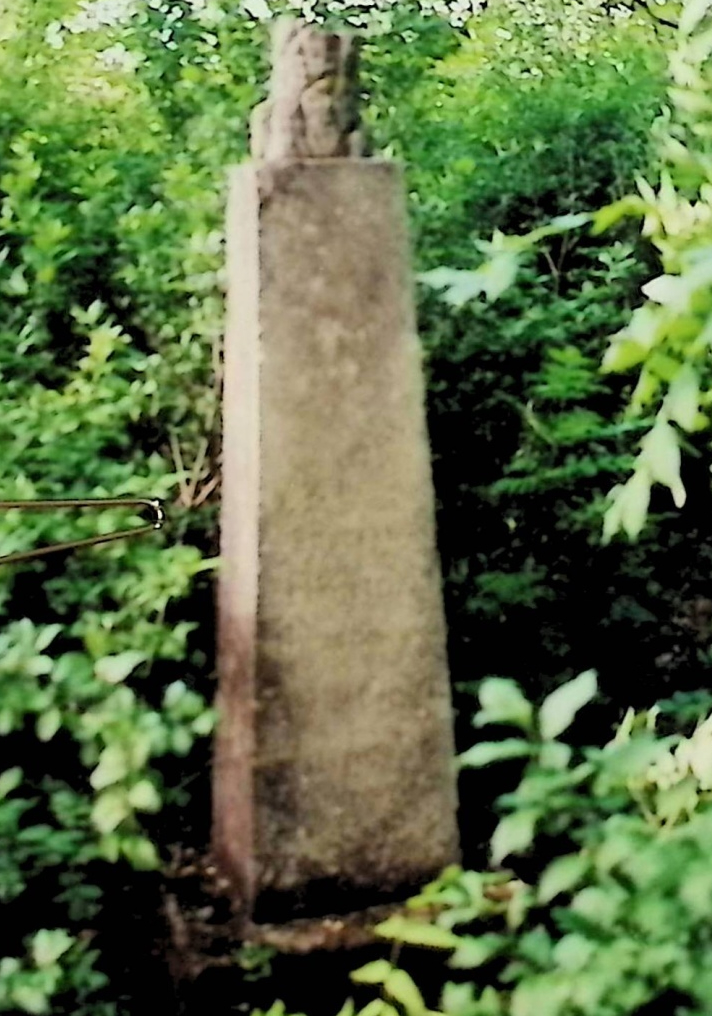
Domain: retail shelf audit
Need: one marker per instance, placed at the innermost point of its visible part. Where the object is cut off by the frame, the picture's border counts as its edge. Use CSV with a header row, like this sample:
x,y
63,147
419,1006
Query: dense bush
x,y
609,911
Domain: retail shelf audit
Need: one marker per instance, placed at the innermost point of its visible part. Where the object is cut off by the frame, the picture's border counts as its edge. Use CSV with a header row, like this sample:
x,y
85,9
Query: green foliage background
x,y
116,124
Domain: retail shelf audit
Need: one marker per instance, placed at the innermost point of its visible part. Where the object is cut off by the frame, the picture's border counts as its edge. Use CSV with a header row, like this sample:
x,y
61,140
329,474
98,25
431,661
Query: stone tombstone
x,y
334,776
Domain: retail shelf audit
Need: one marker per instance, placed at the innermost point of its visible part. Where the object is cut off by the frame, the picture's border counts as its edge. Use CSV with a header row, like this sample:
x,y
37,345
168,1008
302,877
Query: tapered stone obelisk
x,y
334,764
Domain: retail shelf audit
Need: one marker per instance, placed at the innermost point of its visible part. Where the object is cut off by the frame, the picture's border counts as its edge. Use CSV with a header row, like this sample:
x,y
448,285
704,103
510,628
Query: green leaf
x,y
48,723
598,905
474,951
47,634
348,1008
110,809
693,11
573,952
492,278
622,354
682,798
379,1008
608,216
48,946
205,723
621,763
10,780
401,987
503,702
458,286
683,398
494,751
559,709
544,995
110,847
409,932
562,875
662,458
459,1000
514,834
112,768
629,507
30,999
554,755
143,796
115,669
372,973
140,853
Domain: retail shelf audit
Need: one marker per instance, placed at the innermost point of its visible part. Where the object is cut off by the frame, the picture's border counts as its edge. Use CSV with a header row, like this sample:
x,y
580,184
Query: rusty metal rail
x,y
153,504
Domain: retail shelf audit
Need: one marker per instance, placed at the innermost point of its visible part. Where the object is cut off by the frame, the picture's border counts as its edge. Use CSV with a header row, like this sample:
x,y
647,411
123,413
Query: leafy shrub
x,y
607,908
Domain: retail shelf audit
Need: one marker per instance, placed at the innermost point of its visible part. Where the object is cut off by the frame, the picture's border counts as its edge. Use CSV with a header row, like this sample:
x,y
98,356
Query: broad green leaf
x,y
29,998
458,285
562,875
669,291
693,11
662,458
683,398
372,973
205,723
410,932
458,999
48,723
140,853
110,847
600,905
622,354
348,1008
474,951
401,987
46,635
681,799
498,275
573,952
634,500
540,995
645,391
608,216
554,755
494,751
630,346
144,797
573,220
514,834
113,767
559,709
110,809
115,669
174,693
555,227
621,763
379,1008
503,702
48,946
10,780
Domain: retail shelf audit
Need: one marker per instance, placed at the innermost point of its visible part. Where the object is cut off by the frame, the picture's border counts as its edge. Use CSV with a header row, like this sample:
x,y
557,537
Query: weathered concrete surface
x,y
334,759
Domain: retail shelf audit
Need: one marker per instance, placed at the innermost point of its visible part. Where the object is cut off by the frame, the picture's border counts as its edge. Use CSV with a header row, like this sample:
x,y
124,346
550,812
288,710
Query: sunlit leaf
x,y
560,707
514,834
494,751
48,946
114,669
502,701
562,875
411,932
683,398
